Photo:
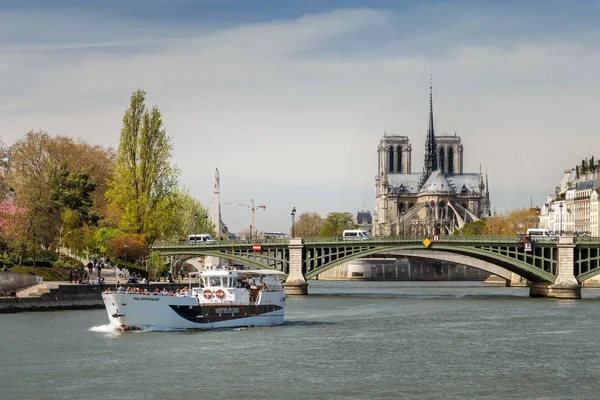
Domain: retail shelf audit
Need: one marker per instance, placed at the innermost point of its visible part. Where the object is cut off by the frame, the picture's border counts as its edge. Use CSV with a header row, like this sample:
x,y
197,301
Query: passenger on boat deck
x,y
156,292
164,292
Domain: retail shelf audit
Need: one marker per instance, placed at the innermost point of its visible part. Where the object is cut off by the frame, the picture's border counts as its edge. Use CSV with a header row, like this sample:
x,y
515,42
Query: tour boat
x,y
226,298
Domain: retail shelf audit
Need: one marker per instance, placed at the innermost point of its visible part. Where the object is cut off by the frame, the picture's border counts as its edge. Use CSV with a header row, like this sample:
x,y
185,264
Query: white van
x,y
541,234
200,238
355,234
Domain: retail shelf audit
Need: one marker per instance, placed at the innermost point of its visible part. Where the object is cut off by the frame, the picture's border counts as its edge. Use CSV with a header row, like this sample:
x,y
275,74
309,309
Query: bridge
x,y
553,268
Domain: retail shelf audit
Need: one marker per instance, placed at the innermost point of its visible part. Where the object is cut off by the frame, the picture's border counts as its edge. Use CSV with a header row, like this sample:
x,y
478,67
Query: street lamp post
x,y
428,211
125,247
402,213
195,218
561,221
293,220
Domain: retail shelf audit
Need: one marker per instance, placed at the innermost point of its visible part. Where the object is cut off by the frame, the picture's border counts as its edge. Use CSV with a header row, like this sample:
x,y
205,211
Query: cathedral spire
x,y
430,150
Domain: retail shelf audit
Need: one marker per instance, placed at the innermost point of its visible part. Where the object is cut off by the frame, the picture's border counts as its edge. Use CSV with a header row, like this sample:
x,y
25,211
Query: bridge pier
x,y
516,280
295,283
565,285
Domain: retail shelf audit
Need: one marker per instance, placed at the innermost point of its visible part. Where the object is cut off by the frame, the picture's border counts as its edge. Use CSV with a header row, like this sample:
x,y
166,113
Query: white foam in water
x,y
105,329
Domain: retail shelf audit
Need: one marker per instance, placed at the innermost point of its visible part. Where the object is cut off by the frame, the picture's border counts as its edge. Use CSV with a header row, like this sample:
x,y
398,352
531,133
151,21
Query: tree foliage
x,y
5,155
309,224
50,175
474,228
129,244
144,183
101,237
72,193
512,223
191,217
335,223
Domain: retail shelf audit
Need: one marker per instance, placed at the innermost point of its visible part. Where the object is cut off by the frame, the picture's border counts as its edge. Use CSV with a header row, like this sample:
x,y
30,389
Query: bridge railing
x,y
219,243
377,240
513,239
587,239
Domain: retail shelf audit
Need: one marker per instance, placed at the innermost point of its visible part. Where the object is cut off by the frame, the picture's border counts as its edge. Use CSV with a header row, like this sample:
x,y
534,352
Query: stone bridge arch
x,y
458,259
487,260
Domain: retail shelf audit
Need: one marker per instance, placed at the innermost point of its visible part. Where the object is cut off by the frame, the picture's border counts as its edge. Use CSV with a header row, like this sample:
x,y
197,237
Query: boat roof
x,y
227,272
260,271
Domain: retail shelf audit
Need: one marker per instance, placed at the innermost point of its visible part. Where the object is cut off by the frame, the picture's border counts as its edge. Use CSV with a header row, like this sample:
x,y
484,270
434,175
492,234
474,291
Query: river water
x,y
347,340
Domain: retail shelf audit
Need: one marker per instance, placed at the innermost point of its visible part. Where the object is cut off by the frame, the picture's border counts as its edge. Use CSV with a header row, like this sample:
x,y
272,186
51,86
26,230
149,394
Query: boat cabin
x,y
219,278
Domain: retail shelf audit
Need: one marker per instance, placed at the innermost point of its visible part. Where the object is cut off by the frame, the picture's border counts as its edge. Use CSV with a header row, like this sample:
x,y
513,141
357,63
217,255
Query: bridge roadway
x,y
553,268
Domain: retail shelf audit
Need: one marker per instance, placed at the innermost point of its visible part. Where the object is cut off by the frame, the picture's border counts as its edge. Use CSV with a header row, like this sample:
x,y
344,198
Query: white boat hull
x,y
132,311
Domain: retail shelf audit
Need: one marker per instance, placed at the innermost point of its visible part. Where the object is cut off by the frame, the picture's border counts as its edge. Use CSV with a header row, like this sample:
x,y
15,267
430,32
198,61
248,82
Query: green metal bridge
x,y
551,267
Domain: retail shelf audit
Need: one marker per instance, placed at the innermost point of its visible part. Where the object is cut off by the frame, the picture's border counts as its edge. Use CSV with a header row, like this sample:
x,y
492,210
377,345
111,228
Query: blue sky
x,y
290,98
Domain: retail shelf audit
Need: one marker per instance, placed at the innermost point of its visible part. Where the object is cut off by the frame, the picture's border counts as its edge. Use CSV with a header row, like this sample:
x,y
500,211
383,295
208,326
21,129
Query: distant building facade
x,y
364,220
438,200
573,208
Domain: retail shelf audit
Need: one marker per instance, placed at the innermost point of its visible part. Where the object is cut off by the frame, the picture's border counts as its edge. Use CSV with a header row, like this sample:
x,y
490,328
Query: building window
x,y
450,160
391,159
441,160
399,169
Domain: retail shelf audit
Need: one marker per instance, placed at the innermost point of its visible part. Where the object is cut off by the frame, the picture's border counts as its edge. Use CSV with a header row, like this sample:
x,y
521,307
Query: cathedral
x,y
438,200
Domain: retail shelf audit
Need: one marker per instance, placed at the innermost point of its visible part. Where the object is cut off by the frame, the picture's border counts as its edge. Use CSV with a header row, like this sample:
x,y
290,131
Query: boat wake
x,y
113,329
108,329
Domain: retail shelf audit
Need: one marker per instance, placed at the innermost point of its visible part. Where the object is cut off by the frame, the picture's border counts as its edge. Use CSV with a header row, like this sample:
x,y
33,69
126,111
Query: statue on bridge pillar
x,y
216,180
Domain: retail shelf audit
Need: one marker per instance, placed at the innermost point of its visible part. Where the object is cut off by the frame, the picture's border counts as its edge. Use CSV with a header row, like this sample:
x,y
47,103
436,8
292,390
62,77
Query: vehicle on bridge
x,y
226,298
200,238
355,234
538,234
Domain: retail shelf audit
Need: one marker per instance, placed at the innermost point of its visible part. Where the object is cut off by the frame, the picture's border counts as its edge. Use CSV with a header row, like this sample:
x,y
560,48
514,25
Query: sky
x,y
289,99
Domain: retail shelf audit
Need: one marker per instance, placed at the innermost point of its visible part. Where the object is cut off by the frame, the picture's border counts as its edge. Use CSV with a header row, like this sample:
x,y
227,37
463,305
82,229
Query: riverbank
x,y
54,296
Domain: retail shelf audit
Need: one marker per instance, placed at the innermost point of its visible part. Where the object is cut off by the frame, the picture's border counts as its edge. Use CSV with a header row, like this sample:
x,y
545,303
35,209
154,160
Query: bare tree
x,y
309,224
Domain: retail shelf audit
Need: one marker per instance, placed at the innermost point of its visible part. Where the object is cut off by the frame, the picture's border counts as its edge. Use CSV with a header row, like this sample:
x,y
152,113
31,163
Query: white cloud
x,y
291,112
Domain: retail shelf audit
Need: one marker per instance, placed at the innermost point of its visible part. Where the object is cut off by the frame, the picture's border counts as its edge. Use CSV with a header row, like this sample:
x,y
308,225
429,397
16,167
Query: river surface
x,y
347,340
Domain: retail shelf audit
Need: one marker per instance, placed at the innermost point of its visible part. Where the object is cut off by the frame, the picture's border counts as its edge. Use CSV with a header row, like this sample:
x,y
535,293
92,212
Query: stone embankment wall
x,y
403,270
13,281
70,297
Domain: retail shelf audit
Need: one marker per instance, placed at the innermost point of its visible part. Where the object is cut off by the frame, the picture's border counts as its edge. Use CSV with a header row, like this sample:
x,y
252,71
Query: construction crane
x,y
252,208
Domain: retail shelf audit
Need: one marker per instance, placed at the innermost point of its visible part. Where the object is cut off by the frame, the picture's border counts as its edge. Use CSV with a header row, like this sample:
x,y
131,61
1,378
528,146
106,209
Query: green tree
x,y
72,193
474,228
101,237
31,163
51,175
191,217
335,223
309,224
144,183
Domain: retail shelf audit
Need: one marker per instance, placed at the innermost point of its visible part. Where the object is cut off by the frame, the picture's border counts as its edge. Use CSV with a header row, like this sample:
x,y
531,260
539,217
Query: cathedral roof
x,y
404,183
437,183
464,183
